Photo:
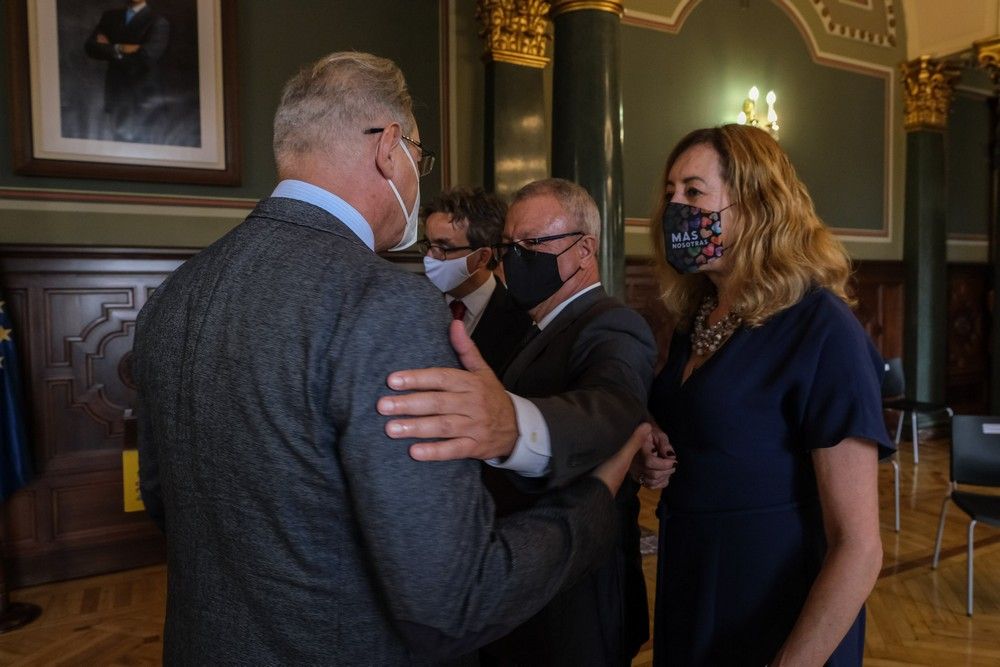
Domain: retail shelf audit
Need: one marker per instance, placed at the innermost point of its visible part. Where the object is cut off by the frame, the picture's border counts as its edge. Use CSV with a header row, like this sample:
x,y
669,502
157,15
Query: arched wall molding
x,y
674,21
820,53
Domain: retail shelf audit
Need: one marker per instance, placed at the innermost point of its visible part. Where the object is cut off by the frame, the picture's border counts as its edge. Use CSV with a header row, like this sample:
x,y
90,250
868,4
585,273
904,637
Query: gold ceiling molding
x,y
928,85
863,23
987,54
564,6
516,31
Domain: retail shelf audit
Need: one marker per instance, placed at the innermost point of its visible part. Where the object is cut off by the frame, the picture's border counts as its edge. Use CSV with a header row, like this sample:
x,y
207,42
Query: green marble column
x,y
924,245
587,118
927,88
516,144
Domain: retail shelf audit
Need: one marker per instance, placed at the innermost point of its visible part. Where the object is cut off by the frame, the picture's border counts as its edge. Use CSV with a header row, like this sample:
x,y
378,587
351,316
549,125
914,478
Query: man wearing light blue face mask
x,y
461,226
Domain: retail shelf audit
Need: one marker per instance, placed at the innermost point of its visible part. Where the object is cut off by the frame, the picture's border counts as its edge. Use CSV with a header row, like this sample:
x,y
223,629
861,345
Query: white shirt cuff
x,y
532,452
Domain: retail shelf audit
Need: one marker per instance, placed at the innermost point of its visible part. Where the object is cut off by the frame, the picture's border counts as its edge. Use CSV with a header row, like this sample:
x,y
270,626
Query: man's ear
x,y
388,139
587,248
481,259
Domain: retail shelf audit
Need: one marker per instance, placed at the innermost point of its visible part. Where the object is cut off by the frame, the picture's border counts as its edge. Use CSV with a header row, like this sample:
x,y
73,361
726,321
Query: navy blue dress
x,y
741,532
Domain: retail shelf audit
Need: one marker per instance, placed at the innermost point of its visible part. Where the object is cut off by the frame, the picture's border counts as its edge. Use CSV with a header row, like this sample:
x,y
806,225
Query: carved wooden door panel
x,y
74,311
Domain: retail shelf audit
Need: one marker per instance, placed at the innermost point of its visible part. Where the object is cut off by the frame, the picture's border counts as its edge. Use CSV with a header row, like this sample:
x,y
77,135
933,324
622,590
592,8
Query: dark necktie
x,y
128,15
457,309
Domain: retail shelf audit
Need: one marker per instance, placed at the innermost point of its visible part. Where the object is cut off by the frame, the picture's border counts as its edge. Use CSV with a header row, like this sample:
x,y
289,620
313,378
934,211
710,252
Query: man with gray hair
x,y
297,532
577,389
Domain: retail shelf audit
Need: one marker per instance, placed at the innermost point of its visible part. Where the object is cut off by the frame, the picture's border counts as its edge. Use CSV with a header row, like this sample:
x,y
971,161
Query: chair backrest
x,y
893,382
975,450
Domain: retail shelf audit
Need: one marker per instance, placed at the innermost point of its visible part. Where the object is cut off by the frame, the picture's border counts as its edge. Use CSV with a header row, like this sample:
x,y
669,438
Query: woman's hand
x,y
655,462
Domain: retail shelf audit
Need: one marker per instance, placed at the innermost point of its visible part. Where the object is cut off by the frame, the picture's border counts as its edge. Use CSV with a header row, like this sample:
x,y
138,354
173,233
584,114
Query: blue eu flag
x,y
15,460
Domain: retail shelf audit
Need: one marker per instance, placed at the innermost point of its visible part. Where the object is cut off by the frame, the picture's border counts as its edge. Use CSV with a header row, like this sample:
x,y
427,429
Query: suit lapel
x,y
536,347
485,334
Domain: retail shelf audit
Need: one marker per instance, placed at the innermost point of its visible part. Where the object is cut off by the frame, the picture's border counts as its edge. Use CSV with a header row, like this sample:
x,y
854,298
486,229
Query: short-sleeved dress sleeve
x,y
843,399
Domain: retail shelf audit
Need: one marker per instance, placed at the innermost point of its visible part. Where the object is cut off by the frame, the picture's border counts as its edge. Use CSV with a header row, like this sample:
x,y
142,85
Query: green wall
x,y
841,117
967,165
699,77
834,122
275,39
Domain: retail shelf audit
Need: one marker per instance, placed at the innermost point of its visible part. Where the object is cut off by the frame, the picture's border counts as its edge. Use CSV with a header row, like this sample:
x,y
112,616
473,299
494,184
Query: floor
x,y
916,615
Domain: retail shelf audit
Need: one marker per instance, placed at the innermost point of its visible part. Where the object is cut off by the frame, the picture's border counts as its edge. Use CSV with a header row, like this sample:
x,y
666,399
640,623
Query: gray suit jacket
x,y
298,533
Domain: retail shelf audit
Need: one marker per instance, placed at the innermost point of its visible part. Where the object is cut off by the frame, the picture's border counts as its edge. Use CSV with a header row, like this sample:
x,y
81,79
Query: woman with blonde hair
x,y
769,535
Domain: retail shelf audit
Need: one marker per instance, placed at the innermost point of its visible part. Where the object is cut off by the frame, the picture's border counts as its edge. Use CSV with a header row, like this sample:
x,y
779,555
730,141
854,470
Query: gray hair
x,y
574,199
341,94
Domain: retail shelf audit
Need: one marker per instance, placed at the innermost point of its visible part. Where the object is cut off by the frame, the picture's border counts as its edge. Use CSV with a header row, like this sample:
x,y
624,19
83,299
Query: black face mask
x,y
532,276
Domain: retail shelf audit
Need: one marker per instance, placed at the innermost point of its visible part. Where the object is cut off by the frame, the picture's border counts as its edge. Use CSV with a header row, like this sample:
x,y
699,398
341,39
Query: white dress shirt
x,y
532,453
475,302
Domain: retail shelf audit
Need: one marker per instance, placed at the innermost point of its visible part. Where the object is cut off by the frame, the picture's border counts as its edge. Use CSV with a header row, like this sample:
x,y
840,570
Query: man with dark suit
x,y
297,532
580,387
461,228
132,40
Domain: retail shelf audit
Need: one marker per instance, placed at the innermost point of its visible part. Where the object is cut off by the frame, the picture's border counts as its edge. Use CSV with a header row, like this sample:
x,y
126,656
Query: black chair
x,y
894,398
891,388
975,459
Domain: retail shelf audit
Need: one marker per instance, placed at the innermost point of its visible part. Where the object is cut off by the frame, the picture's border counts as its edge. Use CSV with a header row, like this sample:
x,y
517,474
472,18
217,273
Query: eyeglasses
x,y
439,251
426,160
500,249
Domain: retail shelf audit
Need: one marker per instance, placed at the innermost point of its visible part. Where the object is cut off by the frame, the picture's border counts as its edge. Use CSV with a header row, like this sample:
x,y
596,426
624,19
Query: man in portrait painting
x,y
132,39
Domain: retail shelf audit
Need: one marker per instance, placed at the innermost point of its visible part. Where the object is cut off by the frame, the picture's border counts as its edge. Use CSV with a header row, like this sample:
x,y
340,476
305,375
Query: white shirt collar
x,y
558,309
476,300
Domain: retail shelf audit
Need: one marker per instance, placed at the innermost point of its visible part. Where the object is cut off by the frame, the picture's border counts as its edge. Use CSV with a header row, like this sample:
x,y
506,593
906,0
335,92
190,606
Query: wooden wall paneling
x,y
75,311
878,288
968,356
876,285
642,293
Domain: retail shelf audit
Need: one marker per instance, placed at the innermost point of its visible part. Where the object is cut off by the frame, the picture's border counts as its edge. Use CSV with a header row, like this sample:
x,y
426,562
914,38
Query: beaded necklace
x,y
705,340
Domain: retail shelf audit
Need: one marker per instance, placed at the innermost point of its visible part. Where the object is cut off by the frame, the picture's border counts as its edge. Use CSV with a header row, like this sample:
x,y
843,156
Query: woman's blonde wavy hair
x,y
778,252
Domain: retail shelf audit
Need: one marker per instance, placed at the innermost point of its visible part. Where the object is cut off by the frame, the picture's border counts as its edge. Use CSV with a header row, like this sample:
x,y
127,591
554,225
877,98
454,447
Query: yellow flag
x,y
130,480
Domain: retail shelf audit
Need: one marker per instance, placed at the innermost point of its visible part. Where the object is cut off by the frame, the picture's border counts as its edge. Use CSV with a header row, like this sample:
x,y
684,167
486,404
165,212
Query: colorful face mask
x,y
692,236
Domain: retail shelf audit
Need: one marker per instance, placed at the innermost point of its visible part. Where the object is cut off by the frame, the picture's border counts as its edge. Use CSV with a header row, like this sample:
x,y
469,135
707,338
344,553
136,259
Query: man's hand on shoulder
x,y
467,413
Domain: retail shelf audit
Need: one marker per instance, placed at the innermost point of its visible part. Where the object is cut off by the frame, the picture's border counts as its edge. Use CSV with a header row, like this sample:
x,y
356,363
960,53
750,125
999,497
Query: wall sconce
x,y
748,116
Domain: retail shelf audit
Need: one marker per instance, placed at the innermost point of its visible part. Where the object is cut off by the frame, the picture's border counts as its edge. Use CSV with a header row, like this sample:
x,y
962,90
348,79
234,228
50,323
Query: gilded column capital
x,y
987,54
516,31
564,6
927,91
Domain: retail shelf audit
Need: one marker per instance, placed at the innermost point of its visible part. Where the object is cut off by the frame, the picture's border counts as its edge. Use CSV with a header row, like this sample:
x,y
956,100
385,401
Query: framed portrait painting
x,y
125,89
